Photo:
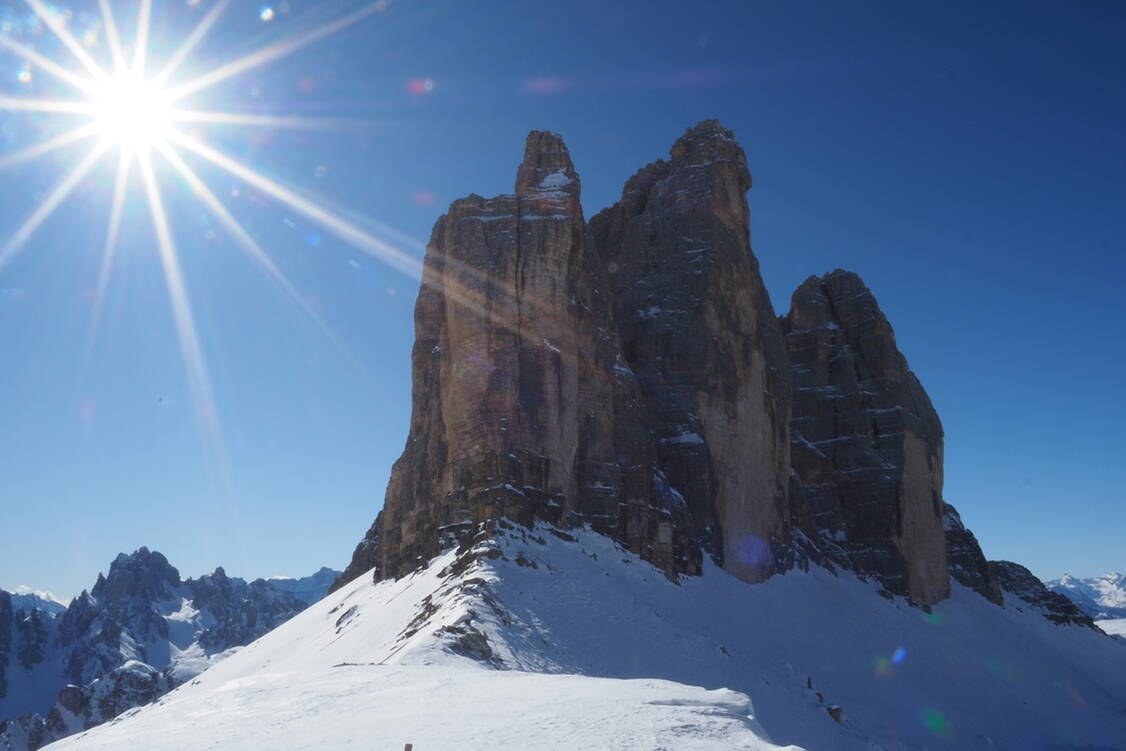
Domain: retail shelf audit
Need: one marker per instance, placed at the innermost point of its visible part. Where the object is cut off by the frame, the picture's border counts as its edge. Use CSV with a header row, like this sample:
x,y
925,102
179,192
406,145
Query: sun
x,y
132,113
127,105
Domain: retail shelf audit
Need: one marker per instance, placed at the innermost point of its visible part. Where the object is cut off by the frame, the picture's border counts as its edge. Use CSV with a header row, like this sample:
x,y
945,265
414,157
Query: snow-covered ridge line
x,y
561,639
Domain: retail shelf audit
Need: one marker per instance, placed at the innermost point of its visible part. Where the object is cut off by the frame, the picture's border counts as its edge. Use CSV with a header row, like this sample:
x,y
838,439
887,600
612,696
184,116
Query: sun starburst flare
x,y
136,114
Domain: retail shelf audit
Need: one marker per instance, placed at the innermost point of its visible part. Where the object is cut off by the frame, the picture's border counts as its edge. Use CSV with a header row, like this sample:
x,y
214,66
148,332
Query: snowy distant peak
x,y
308,589
25,598
1102,597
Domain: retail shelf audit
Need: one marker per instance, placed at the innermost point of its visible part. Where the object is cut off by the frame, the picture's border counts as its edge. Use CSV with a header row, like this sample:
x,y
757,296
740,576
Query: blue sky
x,y
967,161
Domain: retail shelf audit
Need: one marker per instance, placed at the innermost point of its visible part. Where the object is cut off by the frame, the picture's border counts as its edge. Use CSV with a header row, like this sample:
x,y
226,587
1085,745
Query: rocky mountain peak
x,y
546,166
143,575
867,443
709,143
630,374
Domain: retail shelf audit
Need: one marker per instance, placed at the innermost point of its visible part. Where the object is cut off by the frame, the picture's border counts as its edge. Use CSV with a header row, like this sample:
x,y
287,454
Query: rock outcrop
x,y
967,562
866,441
698,331
1021,583
631,374
518,408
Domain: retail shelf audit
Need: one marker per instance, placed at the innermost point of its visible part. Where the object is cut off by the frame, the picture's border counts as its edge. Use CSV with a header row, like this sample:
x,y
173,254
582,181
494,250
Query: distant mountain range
x,y
1101,597
138,633
24,598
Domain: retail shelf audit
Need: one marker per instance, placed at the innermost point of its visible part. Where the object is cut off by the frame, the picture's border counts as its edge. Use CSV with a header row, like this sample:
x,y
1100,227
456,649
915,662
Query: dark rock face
x,y
698,331
1018,581
866,442
967,562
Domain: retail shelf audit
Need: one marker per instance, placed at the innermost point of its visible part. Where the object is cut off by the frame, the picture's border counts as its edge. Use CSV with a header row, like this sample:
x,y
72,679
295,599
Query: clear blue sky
x,y
967,159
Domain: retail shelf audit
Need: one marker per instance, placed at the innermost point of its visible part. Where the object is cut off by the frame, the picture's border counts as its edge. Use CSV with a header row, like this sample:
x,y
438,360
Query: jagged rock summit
x,y
866,441
630,374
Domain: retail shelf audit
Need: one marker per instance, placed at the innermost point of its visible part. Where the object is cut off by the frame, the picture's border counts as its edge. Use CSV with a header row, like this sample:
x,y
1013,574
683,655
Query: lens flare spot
x,y
88,411
24,74
899,655
753,551
936,722
546,85
883,667
424,198
266,13
419,86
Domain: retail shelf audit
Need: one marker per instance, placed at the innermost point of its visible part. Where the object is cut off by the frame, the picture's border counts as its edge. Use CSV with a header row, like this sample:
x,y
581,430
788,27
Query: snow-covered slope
x,y
1099,596
1114,627
554,640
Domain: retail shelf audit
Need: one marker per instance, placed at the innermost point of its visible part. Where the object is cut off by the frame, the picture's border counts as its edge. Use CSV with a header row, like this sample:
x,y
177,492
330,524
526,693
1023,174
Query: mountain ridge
x,y
1101,597
137,633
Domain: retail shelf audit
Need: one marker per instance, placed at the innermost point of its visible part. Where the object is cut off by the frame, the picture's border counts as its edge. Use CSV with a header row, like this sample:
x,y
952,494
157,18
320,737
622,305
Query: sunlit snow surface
x,y
578,645
1116,626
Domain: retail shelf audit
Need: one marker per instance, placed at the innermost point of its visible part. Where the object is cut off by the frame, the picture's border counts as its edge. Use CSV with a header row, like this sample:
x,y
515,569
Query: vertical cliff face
x,y
698,330
866,441
521,405
967,562
630,374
